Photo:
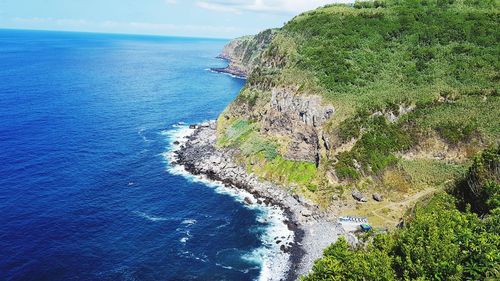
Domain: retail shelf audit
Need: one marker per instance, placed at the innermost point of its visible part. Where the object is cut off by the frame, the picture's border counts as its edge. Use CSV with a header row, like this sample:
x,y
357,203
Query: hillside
x,y
442,238
388,97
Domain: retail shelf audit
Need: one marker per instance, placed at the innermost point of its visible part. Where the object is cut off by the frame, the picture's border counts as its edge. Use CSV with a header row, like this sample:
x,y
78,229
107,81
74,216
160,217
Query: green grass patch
x,y
431,173
236,133
288,172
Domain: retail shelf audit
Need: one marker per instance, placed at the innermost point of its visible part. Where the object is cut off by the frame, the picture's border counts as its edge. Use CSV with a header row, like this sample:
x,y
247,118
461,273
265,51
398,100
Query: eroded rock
x,y
359,196
378,197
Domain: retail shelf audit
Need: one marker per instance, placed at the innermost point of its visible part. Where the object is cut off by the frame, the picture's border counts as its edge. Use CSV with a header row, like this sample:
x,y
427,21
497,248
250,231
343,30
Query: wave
x,y
226,223
143,136
273,262
150,217
189,222
184,239
235,259
189,255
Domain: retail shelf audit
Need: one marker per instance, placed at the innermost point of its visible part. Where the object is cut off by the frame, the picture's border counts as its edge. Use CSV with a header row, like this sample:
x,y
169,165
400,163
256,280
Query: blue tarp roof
x,y
366,227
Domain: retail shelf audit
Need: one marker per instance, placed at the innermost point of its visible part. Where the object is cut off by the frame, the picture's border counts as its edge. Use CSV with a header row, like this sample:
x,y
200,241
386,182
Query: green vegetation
x,y
261,156
400,43
442,238
481,188
398,52
248,48
415,87
431,173
374,151
414,84
455,132
287,172
244,135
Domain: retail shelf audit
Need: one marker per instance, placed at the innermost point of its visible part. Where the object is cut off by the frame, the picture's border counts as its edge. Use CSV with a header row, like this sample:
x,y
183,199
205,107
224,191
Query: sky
x,y
196,18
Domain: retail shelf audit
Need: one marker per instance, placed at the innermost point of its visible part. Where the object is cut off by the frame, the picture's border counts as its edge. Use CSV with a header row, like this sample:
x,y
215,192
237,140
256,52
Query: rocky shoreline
x,y
313,230
230,69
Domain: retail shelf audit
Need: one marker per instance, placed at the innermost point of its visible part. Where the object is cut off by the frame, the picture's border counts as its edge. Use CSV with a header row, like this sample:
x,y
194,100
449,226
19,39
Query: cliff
x,y
243,53
372,98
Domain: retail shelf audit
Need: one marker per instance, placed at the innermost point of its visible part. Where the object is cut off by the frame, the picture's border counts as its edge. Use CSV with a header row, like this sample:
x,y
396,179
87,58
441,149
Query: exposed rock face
x,y
243,53
299,117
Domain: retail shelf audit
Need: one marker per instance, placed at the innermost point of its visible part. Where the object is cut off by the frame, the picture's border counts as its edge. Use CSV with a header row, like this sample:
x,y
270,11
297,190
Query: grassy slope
x,y
440,58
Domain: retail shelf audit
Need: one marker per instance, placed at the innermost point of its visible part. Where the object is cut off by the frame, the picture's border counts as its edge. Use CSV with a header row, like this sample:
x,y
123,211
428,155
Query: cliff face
x,y
243,53
300,119
328,107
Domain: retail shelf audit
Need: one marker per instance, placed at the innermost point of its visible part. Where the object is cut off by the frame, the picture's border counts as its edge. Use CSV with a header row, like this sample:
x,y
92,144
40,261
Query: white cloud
x,y
273,6
218,7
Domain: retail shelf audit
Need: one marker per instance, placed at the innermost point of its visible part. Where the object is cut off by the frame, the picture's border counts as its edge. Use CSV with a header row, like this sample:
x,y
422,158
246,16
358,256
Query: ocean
x,y
86,188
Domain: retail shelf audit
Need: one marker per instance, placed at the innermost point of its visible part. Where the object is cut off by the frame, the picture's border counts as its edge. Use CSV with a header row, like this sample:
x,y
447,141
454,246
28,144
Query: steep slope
x,y
390,97
243,53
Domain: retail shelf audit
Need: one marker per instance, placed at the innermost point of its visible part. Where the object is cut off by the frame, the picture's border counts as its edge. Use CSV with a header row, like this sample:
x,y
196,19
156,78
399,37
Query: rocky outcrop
x,y
243,53
300,118
378,197
359,196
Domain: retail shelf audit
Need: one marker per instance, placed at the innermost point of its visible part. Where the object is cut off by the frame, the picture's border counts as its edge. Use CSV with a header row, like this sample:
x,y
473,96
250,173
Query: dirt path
x,y
403,204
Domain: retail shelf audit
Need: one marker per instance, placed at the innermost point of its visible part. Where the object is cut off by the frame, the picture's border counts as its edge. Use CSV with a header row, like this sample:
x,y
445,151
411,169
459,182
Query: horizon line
x,y
117,33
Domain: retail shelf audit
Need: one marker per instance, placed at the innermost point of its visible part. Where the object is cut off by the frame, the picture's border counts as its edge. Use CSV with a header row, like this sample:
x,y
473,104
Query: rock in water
x,y
248,201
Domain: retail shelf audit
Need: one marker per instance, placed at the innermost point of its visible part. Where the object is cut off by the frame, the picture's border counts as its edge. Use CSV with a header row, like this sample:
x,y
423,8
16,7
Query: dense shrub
x,y
456,132
438,243
374,151
390,46
340,263
480,188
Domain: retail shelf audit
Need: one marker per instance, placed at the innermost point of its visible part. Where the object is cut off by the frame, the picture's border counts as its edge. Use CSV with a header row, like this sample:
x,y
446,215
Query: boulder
x,y
248,201
306,213
193,126
378,197
359,196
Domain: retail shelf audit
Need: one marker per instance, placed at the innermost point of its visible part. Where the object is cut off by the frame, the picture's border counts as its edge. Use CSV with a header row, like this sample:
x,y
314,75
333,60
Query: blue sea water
x,y
85,192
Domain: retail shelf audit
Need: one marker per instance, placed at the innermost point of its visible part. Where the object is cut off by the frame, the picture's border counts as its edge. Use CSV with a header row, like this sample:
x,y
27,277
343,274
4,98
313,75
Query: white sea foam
x,y
226,223
150,217
141,134
274,263
189,255
189,222
187,236
226,73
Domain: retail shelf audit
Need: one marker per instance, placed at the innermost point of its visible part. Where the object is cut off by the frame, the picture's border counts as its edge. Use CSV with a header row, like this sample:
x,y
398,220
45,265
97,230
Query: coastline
x,y
312,229
230,69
